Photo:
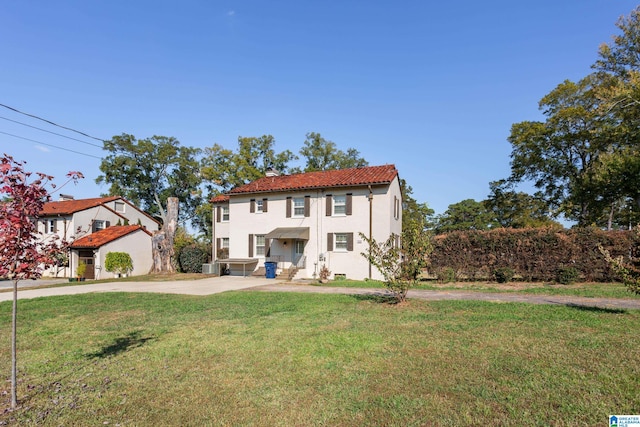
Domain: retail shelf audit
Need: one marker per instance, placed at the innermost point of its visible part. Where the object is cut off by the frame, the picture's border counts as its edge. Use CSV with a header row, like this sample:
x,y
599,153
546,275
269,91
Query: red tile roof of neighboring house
x,y
106,235
67,207
370,175
220,198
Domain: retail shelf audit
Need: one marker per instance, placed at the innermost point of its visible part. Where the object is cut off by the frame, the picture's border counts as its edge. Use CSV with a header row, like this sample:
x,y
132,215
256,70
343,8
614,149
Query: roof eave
x,y
314,187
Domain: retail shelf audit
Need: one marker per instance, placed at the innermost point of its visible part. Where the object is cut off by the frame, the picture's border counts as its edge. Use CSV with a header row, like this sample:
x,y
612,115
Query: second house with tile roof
x,y
93,223
304,222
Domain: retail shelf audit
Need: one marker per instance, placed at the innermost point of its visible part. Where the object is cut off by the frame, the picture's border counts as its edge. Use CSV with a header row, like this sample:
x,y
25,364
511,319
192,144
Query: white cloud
x,y
43,149
231,13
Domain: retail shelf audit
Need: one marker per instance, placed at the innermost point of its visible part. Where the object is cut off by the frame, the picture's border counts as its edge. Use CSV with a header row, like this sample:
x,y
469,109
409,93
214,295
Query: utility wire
x,y
53,133
51,123
50,145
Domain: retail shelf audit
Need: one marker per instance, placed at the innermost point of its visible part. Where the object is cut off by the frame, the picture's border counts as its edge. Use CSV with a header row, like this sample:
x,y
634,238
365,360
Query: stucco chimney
x,y
65,197
272,172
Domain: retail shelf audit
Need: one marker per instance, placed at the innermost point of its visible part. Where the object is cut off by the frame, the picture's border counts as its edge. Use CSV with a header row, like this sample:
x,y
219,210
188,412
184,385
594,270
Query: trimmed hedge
x,y
192,257
534,254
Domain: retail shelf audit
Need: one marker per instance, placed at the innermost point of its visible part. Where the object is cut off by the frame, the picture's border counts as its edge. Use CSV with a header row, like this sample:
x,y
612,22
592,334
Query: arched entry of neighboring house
x,y
86,257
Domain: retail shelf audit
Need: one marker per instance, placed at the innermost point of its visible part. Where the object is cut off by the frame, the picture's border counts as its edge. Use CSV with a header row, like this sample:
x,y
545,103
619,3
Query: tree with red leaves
x,y
23,253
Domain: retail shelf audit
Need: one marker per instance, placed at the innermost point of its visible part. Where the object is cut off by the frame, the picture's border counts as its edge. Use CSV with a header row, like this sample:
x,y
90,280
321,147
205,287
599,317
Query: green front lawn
x,y
589,290
282,359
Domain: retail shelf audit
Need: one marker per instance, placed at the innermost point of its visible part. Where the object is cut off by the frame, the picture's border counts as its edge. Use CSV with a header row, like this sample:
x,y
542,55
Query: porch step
x,y
290,273
260,272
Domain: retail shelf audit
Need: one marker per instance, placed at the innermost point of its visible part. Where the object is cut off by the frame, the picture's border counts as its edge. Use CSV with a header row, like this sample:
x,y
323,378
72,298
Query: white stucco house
x,y
93,248
72,219
306,221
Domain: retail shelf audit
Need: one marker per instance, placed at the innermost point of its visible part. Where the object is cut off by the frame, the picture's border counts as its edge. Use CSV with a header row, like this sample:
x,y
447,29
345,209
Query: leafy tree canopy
x,y
321,155
513,209
466,215
225,169
148,171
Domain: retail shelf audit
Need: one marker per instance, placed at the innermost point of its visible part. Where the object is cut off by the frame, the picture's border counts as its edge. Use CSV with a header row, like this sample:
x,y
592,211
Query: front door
x,y
86,257
90,272
298,251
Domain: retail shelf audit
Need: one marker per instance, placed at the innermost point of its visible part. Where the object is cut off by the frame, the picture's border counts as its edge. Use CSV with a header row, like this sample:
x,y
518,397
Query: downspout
x,y
370,225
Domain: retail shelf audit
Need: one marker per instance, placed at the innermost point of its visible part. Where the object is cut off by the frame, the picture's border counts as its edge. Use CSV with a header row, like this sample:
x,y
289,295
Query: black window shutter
x,y
218,214
329,241
264,205
250,245
350,242
307,206
349,204
329,207
288,207
252,206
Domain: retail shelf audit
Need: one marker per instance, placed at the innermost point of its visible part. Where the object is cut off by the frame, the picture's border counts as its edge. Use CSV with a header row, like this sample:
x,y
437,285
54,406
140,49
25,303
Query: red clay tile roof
x,y
104,236
369,175
220,198
67,207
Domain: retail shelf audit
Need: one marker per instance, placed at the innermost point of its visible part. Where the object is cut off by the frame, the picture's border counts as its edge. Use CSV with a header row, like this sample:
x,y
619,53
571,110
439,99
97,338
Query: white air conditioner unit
x,y
210,268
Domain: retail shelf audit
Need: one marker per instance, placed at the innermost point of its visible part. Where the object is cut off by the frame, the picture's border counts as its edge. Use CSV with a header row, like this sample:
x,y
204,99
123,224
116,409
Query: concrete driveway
x,y
208,286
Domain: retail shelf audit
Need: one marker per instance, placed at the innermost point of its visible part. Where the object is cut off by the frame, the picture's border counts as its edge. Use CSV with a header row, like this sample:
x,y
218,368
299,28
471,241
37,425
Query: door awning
x,y
301,233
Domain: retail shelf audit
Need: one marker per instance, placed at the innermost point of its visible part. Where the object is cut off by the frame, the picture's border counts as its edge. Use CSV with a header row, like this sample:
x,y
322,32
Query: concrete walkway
x,y
213,285
208,286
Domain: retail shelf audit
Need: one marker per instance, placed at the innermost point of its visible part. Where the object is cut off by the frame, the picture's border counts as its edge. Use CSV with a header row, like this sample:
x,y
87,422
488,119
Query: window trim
x,y
224,211
119,203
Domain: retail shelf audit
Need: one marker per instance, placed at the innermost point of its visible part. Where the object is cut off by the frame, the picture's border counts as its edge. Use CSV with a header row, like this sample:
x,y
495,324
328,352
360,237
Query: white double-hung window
x,y
340,240
340,205
298,206
260,245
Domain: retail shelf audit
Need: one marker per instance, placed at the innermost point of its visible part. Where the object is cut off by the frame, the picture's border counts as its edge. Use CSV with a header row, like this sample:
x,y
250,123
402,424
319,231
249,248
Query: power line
x,y
53,133
50,145
51,123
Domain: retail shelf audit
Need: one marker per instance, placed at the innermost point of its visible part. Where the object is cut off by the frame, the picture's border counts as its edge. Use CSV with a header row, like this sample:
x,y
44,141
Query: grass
x,y
589,290
142,278
280,359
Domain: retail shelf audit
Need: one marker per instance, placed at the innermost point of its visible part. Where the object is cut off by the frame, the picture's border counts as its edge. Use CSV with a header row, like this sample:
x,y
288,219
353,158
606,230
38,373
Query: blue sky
x,y
432,87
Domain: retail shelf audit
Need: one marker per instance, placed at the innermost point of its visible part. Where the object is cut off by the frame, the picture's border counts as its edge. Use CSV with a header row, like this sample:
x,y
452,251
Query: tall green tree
x,y
224,169
619,68
619,71
517,209
560,154
466,215
321,154
148,171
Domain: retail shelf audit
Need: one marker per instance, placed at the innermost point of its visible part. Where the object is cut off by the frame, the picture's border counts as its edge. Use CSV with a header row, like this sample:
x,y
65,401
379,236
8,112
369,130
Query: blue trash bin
x,y
270,270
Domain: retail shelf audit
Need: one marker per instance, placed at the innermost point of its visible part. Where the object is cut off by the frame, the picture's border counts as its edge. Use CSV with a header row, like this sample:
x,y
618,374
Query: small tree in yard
x,y
22,254
629,272
385,257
